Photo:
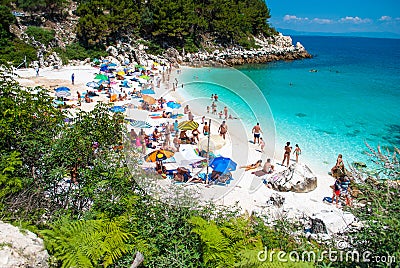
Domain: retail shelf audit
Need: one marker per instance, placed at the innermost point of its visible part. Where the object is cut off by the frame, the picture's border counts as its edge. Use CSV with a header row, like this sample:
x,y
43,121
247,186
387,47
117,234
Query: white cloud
x,y
294,18
356,20
322,21
385,18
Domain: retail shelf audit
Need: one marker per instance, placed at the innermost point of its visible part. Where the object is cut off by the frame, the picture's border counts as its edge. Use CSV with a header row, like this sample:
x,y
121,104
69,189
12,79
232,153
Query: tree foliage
x,y
179,23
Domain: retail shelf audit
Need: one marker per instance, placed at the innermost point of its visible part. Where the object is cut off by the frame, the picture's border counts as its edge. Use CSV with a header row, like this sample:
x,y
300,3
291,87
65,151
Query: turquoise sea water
x,y
353,98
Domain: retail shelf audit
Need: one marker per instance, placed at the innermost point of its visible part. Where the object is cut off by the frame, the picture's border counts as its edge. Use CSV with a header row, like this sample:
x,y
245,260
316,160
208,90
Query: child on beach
x,y
220,114
208,109
262,144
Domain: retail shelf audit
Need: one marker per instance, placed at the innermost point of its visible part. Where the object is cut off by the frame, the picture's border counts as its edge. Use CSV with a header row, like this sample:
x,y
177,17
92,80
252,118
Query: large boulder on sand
x,y
297,178
21,249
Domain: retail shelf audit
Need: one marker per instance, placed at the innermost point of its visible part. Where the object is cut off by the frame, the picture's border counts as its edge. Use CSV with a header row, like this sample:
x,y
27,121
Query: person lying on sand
x,y
252,166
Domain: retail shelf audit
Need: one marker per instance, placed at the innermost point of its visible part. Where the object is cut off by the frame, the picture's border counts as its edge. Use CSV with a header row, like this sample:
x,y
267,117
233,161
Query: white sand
x,y
246,189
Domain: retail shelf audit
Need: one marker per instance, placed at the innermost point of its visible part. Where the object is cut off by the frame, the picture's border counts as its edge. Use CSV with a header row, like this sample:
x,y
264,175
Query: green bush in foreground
x,y
86,243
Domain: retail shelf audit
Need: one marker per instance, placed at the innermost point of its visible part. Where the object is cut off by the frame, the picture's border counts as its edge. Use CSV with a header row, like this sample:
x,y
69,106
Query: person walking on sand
x,y
286,155
223,129
206,129
297,152
73,78
226,112
257,132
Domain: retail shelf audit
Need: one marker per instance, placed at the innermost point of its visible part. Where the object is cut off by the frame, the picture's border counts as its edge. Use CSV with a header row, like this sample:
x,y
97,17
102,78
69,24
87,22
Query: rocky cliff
x,y
269,49
21,248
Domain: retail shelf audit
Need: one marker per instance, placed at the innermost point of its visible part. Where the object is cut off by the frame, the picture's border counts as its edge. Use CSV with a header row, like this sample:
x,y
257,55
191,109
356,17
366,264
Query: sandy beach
x,y
246,189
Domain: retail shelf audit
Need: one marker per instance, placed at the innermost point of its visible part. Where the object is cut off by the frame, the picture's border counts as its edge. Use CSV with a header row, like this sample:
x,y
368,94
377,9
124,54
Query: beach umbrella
x,y
62,89
63,94
223,164
112,64
187,156
188,125
121,73
145,77
92,84
103,68
101,77
117,109
216,143
173,105
140,66
149,99
138,123
158,155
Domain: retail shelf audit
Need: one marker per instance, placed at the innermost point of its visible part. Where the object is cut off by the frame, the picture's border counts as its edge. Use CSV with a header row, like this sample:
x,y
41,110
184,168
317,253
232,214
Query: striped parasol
x,y
138,123
188,125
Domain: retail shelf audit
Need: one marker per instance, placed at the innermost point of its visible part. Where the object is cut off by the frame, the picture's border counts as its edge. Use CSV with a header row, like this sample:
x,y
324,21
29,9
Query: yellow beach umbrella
x,y
159,155
121,73
149,99
188,125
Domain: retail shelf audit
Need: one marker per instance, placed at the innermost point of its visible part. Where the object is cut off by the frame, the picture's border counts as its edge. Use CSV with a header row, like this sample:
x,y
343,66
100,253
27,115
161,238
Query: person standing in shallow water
x,y
286,155
297,152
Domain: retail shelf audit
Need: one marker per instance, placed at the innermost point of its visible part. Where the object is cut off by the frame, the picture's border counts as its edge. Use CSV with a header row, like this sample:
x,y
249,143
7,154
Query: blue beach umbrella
x,y
104,68
117,109
173,105
112,64
223,164
62,89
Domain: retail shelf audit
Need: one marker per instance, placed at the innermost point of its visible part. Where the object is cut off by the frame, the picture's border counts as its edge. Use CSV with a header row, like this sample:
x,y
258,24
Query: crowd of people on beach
x,y
168,136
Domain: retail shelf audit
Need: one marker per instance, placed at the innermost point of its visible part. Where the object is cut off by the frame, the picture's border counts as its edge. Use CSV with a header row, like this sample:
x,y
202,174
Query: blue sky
x,y
336,16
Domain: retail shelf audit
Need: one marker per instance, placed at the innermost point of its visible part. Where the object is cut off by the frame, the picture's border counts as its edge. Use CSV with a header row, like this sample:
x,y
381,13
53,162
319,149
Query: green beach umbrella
x,y
146,77
101,77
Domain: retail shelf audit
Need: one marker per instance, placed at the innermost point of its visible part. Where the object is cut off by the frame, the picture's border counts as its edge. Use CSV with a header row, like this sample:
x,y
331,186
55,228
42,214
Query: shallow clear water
x,y
353,97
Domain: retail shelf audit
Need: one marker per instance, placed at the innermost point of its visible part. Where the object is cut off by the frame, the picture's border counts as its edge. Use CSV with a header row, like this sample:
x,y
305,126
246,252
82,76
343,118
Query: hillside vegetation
x,y
184,24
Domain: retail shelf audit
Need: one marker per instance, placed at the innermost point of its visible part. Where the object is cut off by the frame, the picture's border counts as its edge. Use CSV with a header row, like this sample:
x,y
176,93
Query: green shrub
x,y
41,35
15,52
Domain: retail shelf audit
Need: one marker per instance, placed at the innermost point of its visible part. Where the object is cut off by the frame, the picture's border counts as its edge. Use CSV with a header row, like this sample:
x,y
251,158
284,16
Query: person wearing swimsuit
x,y
297,152
339,165
223,128
286,155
